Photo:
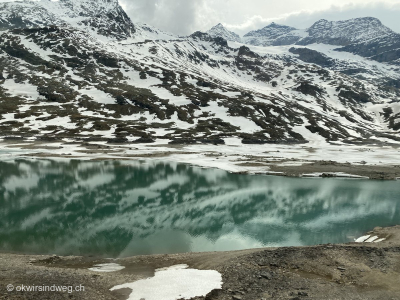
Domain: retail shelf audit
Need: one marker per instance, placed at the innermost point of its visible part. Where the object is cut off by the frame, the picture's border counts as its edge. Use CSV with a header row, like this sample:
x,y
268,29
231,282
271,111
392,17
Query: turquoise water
x,y
119,209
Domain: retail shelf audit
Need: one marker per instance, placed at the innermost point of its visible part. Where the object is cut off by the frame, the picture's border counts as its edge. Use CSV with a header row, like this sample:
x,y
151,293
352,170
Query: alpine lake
x,y
126,208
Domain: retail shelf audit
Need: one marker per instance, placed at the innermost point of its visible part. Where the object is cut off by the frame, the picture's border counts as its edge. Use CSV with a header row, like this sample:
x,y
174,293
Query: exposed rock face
x,y
312,56
384,49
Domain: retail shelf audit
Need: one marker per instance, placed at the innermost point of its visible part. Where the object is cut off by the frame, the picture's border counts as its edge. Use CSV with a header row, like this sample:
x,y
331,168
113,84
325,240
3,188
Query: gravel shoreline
x,y
348,271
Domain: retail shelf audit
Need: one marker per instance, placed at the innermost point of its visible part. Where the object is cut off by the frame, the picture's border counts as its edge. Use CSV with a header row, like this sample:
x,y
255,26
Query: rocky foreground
x,y
350,271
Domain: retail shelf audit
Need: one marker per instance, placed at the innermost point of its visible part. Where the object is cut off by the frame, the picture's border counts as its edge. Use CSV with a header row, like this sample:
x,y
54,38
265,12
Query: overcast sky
x,y
186,16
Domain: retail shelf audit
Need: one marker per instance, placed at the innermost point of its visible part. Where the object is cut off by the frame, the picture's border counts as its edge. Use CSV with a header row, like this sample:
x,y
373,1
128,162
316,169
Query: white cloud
x,y
184,17
387,12
177,16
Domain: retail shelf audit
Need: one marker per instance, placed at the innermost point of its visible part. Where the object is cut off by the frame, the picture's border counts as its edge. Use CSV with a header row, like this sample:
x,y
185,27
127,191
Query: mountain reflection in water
x,y
125,208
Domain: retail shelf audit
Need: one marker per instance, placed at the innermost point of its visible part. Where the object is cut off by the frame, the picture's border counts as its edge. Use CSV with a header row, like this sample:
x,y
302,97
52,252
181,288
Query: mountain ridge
x,y
345,32
273,35
366,37
62,81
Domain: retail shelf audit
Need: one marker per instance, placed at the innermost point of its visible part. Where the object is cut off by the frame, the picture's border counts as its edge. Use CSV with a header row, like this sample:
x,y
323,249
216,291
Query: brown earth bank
x,y
331,169
348,271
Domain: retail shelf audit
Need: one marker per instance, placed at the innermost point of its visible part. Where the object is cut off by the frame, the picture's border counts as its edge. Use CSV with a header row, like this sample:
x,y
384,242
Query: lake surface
x,y
125,208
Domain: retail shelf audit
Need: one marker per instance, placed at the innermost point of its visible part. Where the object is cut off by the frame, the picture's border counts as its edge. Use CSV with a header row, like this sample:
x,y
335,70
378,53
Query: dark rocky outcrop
x,y
312,56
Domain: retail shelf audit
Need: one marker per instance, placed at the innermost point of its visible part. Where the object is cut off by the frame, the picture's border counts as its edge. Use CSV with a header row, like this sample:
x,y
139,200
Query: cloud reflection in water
x,y
117,209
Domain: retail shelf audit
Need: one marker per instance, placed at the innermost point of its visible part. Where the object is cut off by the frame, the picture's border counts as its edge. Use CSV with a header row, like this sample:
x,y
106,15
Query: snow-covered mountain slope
x,y
62,82
340,33
220,31
26,14
147,32
103,17
274,35
366,37
350,64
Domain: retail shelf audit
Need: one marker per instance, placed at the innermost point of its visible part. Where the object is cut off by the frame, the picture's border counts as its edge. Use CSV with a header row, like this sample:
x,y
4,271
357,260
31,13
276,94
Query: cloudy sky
x,y
186,16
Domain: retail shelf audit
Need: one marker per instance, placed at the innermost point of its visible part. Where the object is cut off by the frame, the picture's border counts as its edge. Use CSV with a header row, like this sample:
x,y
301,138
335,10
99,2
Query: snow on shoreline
x,y
176,282
369,239
232,157
107,268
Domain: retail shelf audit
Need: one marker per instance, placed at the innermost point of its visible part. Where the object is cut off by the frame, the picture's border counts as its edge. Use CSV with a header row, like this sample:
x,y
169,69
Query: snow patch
x,y
371,239
107,268
176,282
362,239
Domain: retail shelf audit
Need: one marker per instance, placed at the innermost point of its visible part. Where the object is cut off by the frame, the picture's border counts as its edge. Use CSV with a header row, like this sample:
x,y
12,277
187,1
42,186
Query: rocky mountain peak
x,y
219,30
347,31
272,30
273,35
